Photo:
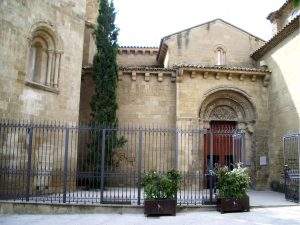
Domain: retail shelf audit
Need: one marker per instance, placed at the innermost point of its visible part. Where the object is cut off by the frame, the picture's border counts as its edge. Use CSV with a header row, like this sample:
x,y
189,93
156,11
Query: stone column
x,y
49,67
57,68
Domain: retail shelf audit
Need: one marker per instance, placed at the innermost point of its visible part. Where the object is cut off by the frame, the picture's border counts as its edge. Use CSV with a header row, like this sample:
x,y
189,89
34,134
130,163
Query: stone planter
x,y
227,205
160,207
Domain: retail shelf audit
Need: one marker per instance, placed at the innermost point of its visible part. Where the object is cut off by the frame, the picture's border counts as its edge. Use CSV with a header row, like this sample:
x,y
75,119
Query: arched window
x,y
44,57
38,57
220,56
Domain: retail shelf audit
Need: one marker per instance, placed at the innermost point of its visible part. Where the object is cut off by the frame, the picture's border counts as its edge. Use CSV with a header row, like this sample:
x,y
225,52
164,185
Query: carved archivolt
x,y
227,105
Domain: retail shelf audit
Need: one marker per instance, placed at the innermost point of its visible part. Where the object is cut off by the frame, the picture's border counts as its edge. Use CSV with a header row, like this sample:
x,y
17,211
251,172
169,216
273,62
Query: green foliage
x,y
161,186
296,3
234,183
104,101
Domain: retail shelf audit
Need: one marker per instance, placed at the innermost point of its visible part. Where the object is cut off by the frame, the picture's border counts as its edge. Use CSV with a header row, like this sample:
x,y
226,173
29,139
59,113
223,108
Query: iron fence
x,y
93,164
291,146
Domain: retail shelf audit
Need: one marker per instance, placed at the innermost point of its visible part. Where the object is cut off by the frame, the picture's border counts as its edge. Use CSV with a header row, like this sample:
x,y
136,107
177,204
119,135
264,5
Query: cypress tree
x,y
104,101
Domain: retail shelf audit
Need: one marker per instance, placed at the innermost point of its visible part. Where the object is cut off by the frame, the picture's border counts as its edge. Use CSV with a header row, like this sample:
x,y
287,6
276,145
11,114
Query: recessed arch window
x,y
44,57
220,56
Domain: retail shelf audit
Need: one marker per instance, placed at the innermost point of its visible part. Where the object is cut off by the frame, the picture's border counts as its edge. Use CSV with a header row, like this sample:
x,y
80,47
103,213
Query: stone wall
x,y
137,56
284,101
140,102
22,99
198,45
92,7
192,93
61,24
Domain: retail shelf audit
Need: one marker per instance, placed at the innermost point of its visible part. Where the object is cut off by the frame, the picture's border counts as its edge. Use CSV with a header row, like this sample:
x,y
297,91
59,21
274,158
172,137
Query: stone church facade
x,y
213,72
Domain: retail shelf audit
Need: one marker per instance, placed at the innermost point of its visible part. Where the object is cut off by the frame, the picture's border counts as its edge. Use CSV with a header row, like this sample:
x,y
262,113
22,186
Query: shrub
x,y
234,183
161,186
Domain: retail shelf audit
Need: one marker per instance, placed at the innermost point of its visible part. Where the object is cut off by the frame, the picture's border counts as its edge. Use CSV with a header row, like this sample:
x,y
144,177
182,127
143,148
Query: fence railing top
x,y
52,125
292,135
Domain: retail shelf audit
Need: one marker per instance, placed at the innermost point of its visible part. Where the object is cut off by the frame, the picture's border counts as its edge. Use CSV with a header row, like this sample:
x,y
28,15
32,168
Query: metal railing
x,y
291,147
93,164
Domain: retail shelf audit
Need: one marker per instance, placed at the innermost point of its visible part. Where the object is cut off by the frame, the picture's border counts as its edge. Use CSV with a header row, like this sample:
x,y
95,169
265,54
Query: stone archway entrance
x,y
226,110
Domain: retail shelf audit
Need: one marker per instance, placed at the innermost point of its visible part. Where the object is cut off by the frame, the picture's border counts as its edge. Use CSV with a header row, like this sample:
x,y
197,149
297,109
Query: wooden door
x,y
222,138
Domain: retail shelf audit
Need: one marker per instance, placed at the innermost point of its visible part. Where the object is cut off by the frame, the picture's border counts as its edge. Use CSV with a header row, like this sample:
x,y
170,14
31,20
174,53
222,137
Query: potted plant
x,y
232,189
160,192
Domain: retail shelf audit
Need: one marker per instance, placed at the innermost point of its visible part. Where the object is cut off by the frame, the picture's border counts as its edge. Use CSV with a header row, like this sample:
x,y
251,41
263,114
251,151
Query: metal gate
x,y
92,164
291,146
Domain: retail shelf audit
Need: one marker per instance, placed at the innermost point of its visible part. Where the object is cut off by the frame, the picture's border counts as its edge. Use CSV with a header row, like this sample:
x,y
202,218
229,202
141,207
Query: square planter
x,y
226,205
160,207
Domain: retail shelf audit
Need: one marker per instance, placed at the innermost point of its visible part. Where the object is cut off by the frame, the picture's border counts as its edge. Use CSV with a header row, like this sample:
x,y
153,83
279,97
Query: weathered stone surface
x,y
18,99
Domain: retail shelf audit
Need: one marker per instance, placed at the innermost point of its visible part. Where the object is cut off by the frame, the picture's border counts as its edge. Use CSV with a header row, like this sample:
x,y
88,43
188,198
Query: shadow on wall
x,y
284,117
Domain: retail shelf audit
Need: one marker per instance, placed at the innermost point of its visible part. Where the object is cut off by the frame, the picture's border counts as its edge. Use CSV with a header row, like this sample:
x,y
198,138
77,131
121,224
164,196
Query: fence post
x,y
65,178
211,147
29,152
140,166
176,149
102,165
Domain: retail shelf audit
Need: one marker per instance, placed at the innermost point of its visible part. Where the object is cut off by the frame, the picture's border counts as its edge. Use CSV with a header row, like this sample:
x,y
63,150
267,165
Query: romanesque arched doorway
x,y
223,112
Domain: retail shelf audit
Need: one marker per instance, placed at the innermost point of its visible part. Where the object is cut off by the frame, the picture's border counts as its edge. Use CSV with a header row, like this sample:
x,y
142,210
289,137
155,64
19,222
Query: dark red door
x,y
221,134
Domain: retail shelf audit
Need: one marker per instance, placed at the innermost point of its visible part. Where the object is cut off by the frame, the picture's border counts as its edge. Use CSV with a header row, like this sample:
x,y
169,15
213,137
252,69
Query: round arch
x,y
227,104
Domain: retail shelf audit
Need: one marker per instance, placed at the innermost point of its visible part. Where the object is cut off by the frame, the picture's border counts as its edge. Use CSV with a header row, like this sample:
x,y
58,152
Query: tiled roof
x,y
140,47
276,39
193,66
231,68
145,68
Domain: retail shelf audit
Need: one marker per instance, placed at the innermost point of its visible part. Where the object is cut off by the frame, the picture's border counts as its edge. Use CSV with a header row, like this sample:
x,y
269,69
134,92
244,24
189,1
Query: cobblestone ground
x,y
263,216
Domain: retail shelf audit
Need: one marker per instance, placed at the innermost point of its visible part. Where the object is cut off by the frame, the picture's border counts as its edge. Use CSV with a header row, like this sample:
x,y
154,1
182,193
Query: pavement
x,y
259,216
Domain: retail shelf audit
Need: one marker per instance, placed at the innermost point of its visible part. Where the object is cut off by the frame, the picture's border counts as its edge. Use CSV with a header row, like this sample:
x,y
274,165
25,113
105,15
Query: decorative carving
x,y
133,76
218,75
147,77
193,74
244,110
242,77
229,77
223,113
266,80
160,77
205,75
120,74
